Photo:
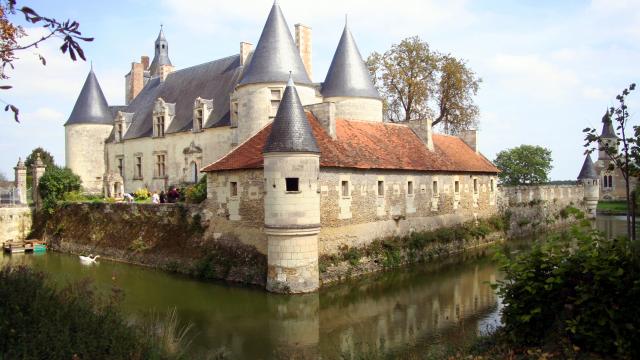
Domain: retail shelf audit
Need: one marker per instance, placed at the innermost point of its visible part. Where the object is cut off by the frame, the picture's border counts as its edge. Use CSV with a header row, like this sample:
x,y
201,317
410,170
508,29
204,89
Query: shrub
x,y
54,184
585,290
142,194
74,196
196,193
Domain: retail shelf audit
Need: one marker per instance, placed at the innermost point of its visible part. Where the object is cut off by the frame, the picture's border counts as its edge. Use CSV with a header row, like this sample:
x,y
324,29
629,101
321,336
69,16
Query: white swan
x,y
88,259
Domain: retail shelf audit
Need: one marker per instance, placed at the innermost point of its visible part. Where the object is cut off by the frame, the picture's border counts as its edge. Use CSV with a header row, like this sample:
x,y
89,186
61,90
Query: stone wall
x,y
15,223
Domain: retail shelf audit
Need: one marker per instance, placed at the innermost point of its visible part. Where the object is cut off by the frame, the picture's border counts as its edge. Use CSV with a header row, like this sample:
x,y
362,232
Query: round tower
x,y
349,85
292,199
256,98
589,180
89,125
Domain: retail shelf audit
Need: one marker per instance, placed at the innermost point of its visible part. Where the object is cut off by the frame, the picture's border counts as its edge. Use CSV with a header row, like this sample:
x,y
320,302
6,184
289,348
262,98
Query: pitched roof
x,y
213,80
348,74
91,106
275,55
291,131
369,145
588,170
607,127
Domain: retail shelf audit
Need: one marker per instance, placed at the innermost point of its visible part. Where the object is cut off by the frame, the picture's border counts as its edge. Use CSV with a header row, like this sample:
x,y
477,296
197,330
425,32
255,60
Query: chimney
x,y
424,130
245,50
325,112
144,60
135,81
470,137
303,42
164,71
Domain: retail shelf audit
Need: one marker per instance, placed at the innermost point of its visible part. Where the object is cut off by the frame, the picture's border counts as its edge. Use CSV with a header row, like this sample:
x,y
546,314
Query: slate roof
x,y
369,145
91,106
607,127
213,80
161,55
348,74
275,55
588,170
291,131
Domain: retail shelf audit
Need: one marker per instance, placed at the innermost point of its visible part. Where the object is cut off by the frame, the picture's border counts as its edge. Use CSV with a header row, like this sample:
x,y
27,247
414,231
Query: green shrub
x,y
54,184
585,290
74,196
197,193
142,194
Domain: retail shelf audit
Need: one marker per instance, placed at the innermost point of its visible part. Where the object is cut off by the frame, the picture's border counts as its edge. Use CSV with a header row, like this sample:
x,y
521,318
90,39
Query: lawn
x,y
612,207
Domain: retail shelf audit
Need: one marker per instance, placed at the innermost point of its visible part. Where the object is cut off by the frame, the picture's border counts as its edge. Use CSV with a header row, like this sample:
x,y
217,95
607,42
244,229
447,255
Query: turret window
x,y
292,184
276,96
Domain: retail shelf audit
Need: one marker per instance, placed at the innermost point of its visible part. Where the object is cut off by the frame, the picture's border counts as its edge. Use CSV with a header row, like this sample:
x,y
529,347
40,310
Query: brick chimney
x,y
245,50
135,81
470,137
144,60
303,42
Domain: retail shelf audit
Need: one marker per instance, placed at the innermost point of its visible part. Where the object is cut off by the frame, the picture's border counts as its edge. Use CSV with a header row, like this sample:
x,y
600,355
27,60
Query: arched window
x,y
610,181
194,172
604,181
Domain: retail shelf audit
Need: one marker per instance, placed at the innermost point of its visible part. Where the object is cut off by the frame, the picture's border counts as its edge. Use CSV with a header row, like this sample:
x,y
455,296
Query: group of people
x,y
171,196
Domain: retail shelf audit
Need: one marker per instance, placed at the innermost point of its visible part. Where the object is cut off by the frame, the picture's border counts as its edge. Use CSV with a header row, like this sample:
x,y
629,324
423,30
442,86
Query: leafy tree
x,y
3,177
45,156
417,83
55,183
625,159
525,164
10,33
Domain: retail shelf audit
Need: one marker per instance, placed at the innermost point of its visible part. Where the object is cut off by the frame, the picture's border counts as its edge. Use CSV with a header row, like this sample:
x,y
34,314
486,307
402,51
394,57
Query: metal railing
x,y
10,197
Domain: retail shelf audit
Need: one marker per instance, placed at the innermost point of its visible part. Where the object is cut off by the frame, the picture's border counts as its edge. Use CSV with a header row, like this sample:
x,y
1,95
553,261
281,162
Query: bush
x,y
196,193
55,184
585,290
142,194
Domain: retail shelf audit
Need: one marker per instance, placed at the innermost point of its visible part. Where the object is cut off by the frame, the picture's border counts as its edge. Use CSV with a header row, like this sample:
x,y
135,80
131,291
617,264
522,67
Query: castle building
x,y
612,184
295,168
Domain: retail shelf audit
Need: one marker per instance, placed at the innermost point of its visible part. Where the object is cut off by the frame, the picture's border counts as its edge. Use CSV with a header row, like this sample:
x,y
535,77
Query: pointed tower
x,y
608,135
589,180
349,85
160,61
89,124
292,200
262,84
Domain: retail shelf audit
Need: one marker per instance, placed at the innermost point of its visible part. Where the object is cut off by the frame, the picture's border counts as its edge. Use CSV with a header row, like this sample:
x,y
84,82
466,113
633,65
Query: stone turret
x,y
37,170
348,83
609,137
262,84
161,65
292,199
20,180
589,179
86,130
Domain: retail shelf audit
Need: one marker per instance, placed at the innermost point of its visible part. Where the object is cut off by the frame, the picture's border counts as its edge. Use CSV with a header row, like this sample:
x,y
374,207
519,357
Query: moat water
x,y
421,309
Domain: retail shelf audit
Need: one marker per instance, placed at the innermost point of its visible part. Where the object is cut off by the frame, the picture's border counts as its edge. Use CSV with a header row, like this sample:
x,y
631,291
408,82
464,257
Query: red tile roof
x,y
369,145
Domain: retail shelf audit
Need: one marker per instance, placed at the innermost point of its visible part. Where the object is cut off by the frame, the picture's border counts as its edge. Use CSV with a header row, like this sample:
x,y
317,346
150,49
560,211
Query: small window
x,y
380,188
160,165
492,186
275,94
274,107
234,188
138,173
120,132
121,166
275,97
199,119
159,126
345,188
410,188
475,186
610,181
292,184
435,188
456,186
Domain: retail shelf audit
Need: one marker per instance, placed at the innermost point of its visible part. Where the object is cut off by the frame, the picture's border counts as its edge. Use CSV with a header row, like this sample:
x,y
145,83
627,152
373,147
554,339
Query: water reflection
x,y
422,307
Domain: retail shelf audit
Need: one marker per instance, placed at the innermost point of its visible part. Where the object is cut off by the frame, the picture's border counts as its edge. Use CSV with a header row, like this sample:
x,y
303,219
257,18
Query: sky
x,y
548,68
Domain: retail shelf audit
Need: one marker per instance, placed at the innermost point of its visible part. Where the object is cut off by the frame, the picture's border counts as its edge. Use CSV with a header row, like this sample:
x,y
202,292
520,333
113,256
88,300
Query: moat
x,y
424,308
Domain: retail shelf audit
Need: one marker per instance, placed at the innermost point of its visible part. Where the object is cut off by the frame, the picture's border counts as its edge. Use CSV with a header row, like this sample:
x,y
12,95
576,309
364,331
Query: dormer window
x,y
201,110
159,126
121,124
162,115
198,119
120,131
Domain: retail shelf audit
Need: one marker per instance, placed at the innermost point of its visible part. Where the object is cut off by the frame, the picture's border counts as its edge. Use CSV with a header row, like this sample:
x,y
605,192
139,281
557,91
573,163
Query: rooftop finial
x,y
91,62
290,82
346,18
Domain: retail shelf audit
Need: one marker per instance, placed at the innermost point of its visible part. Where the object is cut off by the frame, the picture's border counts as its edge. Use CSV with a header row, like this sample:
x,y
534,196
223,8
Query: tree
x,y
625,159
3,177
10,33
418,83
55,183
45,156
525,164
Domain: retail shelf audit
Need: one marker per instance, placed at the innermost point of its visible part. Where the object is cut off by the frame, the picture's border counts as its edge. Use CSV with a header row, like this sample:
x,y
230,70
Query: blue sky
x,y
549,68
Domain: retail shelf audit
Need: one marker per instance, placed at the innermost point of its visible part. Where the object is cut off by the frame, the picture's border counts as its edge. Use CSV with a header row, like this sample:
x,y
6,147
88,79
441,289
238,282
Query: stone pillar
x,y
245,50
21,182
591,196
292,221
37,170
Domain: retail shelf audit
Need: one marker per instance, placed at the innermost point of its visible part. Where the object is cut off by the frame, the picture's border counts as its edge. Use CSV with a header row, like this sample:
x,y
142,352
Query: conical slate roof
x,y
348,74
91,106
607,127
588,170
161,55
291,131
276,54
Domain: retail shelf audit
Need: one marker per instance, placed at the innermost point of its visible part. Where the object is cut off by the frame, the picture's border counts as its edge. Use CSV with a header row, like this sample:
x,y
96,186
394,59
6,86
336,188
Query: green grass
x,y
612,207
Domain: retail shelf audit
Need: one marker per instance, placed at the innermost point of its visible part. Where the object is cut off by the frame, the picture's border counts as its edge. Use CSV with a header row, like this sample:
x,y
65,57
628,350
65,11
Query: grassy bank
x,y
613,207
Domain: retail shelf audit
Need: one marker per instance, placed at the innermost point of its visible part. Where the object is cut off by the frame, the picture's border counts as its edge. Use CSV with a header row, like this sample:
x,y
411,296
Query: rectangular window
x,y
160,165
138,173
492,186
475,186
160,126
345,188
456,186
380,188
120,132
292,184
199,119
234,188
121,166
410,188
435,188
276,96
